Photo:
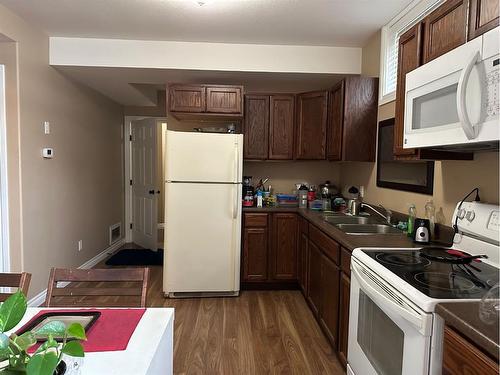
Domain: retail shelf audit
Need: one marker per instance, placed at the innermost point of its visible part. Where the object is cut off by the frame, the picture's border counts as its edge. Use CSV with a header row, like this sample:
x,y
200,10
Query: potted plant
x,y
47,359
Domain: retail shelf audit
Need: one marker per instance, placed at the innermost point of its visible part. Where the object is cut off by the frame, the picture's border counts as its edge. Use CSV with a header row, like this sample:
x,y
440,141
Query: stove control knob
x,y
470,215
461,213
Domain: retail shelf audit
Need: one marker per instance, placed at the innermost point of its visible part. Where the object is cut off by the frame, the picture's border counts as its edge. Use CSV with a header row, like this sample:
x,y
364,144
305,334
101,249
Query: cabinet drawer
x,y
255,220
325,243
345,261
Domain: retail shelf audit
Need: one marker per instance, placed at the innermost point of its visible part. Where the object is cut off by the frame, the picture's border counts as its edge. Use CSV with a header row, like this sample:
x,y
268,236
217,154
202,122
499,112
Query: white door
x,y
144,183
202,237
202,157
388,335
4,227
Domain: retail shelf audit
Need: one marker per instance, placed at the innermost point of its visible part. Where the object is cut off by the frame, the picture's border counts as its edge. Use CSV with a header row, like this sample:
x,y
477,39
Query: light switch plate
x,y
46,127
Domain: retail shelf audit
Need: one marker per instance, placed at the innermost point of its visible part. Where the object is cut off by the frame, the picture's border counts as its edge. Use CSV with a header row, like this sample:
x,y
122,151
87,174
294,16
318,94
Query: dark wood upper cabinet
x,y
409,58
224,99
445,29
256,127
312,112
284,251
352,120
187,98
269,127
483,16
281,128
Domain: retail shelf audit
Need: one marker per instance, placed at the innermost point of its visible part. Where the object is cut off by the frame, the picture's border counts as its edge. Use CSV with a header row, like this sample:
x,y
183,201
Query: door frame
x,y
4,192
127,152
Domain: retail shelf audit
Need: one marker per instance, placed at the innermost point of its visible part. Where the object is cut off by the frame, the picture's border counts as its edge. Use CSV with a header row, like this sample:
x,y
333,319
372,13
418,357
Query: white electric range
x,y
393,329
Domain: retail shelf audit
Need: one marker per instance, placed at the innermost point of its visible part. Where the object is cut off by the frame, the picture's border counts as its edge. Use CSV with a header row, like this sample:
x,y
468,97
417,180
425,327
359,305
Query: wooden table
x,y
149,351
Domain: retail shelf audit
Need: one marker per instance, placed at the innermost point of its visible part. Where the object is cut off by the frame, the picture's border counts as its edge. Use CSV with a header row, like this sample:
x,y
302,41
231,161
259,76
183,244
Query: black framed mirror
x,y
415,176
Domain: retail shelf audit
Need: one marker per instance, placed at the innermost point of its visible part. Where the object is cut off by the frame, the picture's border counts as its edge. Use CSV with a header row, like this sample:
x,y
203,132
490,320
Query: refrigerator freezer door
x,y
201,157
202,238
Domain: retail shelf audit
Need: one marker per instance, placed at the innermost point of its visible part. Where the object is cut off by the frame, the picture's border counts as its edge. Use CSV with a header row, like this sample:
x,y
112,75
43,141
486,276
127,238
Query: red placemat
x,y
111,331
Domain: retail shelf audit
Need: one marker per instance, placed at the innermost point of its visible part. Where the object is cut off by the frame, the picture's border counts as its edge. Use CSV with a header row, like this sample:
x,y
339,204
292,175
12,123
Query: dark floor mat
x,y
136,257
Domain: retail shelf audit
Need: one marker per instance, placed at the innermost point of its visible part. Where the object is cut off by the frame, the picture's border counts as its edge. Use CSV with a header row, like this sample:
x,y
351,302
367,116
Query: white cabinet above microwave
x,y
452,102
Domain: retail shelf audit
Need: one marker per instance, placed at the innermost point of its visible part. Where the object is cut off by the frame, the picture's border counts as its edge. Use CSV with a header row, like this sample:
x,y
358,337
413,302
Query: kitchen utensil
x,y
422,231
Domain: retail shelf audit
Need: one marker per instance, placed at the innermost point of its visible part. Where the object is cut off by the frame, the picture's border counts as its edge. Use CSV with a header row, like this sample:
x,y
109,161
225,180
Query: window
x,y
391,32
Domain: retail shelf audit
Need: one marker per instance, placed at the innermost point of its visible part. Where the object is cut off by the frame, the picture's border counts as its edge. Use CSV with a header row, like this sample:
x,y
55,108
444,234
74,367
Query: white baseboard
x,y
40,297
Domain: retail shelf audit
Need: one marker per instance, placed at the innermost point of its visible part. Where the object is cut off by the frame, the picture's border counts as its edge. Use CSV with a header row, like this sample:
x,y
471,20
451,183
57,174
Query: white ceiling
x,y
292,22
129,86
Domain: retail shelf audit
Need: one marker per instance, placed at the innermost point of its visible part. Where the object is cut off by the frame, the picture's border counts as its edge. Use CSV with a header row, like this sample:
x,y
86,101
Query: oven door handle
x,y
384,298
463,115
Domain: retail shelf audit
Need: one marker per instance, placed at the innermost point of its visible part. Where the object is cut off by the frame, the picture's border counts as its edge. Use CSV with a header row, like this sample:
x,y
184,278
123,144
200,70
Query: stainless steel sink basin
x,y
347,220
360,229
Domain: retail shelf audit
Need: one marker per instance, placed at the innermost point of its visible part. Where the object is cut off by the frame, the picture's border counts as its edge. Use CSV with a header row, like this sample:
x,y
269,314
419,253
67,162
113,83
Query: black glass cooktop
x,y
439,273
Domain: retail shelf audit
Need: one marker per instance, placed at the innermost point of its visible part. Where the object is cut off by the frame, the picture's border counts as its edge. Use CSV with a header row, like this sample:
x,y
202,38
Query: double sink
x,y
361,225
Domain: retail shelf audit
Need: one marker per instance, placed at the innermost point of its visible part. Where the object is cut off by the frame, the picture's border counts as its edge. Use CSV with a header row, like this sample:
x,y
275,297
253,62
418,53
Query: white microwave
x,y
452,102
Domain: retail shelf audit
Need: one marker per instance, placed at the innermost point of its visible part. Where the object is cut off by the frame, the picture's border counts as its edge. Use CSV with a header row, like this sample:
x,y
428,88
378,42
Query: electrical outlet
x,y
46,127
80,245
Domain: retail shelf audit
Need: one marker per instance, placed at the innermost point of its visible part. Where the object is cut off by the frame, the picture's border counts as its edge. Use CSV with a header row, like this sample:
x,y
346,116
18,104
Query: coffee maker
x,y
422,232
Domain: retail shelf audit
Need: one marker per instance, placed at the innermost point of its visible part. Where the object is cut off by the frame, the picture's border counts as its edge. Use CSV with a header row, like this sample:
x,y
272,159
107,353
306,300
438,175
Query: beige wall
x,y
284,175
78,194
452,179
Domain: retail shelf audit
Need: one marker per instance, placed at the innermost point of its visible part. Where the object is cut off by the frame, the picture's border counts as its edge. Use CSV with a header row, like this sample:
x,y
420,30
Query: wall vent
x,y
115,233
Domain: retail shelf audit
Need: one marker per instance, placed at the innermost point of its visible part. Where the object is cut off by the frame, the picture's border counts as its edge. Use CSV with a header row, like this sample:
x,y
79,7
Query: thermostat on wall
x,y
48,153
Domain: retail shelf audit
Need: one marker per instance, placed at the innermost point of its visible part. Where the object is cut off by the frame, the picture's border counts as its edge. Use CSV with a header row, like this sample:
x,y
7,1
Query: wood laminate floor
x,y
259,332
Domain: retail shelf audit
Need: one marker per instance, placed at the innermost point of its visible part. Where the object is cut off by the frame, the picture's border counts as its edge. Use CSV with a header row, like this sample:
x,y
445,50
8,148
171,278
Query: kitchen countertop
x,y
464,318
350,242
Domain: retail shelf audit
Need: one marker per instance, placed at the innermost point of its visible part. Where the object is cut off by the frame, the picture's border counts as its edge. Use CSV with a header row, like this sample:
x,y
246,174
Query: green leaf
x,y
76,331
12,311
74,349
54,328
26,340
42,364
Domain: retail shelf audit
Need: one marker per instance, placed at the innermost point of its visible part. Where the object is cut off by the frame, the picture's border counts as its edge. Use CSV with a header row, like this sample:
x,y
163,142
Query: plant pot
x,y
61,368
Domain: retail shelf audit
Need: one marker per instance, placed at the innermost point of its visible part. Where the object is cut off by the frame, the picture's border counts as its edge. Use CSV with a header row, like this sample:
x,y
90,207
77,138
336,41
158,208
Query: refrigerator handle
x,y
237,162
235,202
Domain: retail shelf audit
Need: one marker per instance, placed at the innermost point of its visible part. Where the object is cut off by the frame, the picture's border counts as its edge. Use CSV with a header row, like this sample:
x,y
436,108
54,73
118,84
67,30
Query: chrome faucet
x,y
388,214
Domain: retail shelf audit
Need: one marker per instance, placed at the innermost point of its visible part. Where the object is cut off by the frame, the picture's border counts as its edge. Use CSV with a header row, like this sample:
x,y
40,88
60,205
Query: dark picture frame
x,y
385,156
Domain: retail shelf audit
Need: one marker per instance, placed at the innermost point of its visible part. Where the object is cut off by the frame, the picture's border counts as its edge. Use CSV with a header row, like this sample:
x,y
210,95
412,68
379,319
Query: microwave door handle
x,y
383,299
463,115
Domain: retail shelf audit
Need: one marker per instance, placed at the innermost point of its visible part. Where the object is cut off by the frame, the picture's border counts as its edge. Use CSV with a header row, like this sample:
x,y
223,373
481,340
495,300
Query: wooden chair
x,y
124,287
21,281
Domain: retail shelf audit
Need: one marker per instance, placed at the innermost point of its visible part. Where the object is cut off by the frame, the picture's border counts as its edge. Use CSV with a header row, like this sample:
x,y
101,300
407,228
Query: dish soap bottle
x,y
259,198
430,214
412,215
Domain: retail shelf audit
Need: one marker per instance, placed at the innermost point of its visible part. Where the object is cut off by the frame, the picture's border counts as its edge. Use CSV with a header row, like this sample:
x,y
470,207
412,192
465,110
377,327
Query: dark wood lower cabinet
x,y
329,308
460,357
284,251
303,260
345,290
314,283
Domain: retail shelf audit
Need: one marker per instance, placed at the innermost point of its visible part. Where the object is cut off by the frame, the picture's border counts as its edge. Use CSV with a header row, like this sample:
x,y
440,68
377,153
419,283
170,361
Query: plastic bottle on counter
x,y
430,214
302,193
259,198
412,215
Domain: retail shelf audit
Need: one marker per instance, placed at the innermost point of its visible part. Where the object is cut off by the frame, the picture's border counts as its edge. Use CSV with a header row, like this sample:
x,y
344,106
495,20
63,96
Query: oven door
x,y
388,335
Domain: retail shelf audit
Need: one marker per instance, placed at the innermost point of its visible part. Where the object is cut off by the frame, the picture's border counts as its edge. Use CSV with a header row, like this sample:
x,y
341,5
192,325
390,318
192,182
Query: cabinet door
x,y
445,29
186,98
303,261
281,130
329,305
409,58
483,16
224,99
345,290
314,277
312,110
335,122
460,357
255,254
284,254
256,127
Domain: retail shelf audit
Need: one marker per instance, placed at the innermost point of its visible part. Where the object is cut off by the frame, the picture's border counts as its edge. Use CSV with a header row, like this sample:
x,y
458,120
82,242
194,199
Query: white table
x,y
149,351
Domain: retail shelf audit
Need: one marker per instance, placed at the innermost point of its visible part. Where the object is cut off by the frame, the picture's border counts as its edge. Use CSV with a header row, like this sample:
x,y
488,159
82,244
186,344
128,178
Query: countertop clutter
x,y
465,318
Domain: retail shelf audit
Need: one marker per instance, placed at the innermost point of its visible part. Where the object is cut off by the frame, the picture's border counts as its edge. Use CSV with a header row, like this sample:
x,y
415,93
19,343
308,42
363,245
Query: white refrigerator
x,y
202,214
